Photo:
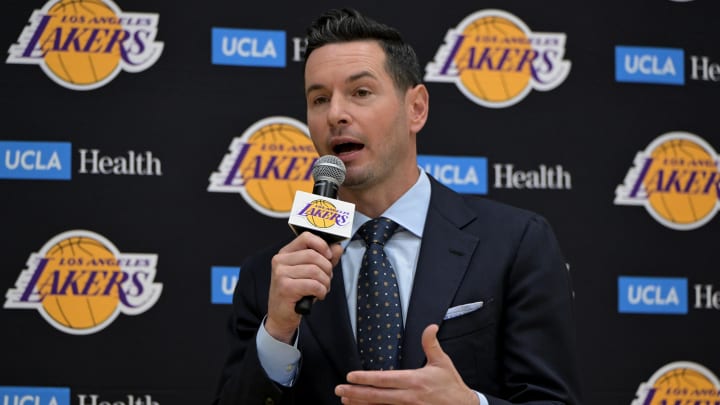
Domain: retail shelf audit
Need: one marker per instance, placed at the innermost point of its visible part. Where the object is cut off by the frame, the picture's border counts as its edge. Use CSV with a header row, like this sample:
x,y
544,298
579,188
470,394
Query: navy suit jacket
x,y
519,347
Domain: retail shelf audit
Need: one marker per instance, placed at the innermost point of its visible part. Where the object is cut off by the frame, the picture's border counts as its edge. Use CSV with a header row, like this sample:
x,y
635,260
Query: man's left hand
x,y
438,382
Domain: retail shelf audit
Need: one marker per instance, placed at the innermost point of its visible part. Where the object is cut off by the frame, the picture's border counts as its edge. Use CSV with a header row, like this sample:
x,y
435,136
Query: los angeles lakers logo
x,y
495,60
677,179
323,214
681,382
84,44
267,164
80,283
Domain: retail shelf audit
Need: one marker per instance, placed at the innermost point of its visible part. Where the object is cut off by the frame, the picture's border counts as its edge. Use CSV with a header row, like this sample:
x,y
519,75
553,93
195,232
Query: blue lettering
x,y
650,65
240,47
35,160
652,295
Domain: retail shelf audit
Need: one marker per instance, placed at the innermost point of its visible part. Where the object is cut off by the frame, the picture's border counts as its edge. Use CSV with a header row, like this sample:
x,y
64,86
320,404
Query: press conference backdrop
x,y
148,147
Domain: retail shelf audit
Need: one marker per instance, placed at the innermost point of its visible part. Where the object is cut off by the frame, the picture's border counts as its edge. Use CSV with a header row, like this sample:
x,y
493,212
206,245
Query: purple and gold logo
x,y
677,179
681,382
84,44
495,60
267,164
324,214
80,282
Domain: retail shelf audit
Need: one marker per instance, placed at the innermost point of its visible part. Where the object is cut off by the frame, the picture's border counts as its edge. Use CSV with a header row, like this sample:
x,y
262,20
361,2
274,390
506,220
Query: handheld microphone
x,y
328,173
320,212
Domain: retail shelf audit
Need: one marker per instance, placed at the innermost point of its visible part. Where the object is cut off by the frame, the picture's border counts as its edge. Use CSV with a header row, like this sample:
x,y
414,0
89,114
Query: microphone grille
x,y
329,168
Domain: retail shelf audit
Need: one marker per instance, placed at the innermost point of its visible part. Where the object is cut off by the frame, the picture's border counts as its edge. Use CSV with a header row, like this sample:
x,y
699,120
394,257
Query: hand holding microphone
x,y
320,212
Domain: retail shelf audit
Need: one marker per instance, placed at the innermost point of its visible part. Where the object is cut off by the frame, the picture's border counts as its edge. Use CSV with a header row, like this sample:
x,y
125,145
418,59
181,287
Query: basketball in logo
x,y
495,60
270,182
79,66
80,282
69,301
479,73
321,214
267,165
677,179
680,382
683,377
84,44
673,196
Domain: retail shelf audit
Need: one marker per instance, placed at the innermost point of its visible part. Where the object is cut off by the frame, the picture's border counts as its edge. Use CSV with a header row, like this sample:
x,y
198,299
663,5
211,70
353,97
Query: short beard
x,y
365,180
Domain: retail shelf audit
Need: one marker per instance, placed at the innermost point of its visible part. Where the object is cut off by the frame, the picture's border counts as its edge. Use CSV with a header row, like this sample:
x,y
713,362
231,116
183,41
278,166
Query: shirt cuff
x,y
279,360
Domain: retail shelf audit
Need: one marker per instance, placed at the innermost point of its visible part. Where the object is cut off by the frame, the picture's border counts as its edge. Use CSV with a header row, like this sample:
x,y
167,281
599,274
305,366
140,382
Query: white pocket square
x,y
463,309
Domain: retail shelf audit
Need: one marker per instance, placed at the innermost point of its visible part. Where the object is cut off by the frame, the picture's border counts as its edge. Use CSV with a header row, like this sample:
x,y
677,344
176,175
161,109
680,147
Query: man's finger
x,y
308,240
431,346
382,379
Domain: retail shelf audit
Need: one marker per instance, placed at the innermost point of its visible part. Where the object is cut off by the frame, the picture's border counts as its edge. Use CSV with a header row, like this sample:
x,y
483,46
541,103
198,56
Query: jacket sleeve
x,y
243,380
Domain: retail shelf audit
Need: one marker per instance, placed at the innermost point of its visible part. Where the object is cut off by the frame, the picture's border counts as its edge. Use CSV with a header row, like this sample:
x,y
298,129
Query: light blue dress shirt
x,y
280,360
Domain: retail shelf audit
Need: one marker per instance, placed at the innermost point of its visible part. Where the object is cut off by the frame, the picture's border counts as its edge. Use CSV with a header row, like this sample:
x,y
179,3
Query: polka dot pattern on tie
x,y
379,312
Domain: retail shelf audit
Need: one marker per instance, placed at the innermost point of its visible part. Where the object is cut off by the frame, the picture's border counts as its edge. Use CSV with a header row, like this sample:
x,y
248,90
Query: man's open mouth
x,y
347,147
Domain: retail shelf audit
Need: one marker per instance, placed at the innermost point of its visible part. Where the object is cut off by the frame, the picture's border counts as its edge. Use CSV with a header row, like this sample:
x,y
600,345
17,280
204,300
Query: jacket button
x,y
269,401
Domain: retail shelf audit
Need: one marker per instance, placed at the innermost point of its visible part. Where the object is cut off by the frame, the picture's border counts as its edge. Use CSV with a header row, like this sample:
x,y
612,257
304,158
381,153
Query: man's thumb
x,y
431,346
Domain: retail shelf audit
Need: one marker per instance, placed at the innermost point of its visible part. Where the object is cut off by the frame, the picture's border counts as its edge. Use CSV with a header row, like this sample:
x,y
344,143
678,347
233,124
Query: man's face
x,y
355,112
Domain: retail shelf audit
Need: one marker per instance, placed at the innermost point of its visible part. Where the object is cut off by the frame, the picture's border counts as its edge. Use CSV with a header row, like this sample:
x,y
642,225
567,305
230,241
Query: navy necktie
x,y
379,313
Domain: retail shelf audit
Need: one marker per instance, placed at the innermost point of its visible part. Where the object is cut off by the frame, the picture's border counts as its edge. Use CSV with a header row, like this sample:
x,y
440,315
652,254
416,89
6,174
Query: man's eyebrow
x,y
350,79
313,87
359,76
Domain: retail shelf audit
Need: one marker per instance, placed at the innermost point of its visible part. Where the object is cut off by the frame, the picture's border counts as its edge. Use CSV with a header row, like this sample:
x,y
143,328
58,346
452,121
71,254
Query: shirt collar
x,y
409,211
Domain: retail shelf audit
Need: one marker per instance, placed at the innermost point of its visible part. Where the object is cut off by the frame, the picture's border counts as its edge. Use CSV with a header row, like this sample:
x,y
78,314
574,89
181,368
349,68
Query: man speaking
x,y
437,298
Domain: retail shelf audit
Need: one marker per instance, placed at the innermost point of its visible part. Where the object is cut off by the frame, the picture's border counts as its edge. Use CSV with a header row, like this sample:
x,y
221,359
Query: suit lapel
x,y
445,253
329,323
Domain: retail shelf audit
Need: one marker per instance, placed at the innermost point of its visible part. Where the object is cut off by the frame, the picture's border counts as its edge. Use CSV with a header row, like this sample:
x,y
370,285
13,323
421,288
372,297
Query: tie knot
x,y
377,230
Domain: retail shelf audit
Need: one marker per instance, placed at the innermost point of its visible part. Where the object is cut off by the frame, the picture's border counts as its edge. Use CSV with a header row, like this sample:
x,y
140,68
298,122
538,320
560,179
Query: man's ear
x,y
418,105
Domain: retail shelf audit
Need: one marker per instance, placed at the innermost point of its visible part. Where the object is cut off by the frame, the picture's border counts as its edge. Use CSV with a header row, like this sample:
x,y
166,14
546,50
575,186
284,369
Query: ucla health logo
x,y
495,60
242,47
10,395
35,160
267,164
677,179
84,44
680,382
652,295
464,174
649,65
80,282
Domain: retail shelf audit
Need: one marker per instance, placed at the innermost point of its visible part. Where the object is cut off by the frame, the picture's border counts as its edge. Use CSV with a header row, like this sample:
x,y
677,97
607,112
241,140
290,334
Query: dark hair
x,y
346,25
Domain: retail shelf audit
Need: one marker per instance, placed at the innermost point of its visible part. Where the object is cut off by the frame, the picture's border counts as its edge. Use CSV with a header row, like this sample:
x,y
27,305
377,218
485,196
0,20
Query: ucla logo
x,y
681,382
649,65
243,47
495,60
267,164
464,174
677,179
84,44
35,160
80,282
223,280
15,395
652,295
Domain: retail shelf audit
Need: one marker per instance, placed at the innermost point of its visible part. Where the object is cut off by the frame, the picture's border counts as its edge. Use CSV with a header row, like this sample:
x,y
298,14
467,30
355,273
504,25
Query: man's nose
x,y
338,113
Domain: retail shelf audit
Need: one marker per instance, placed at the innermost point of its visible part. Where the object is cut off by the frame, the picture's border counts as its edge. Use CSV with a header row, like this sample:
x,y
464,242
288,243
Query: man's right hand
x,y
302,267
